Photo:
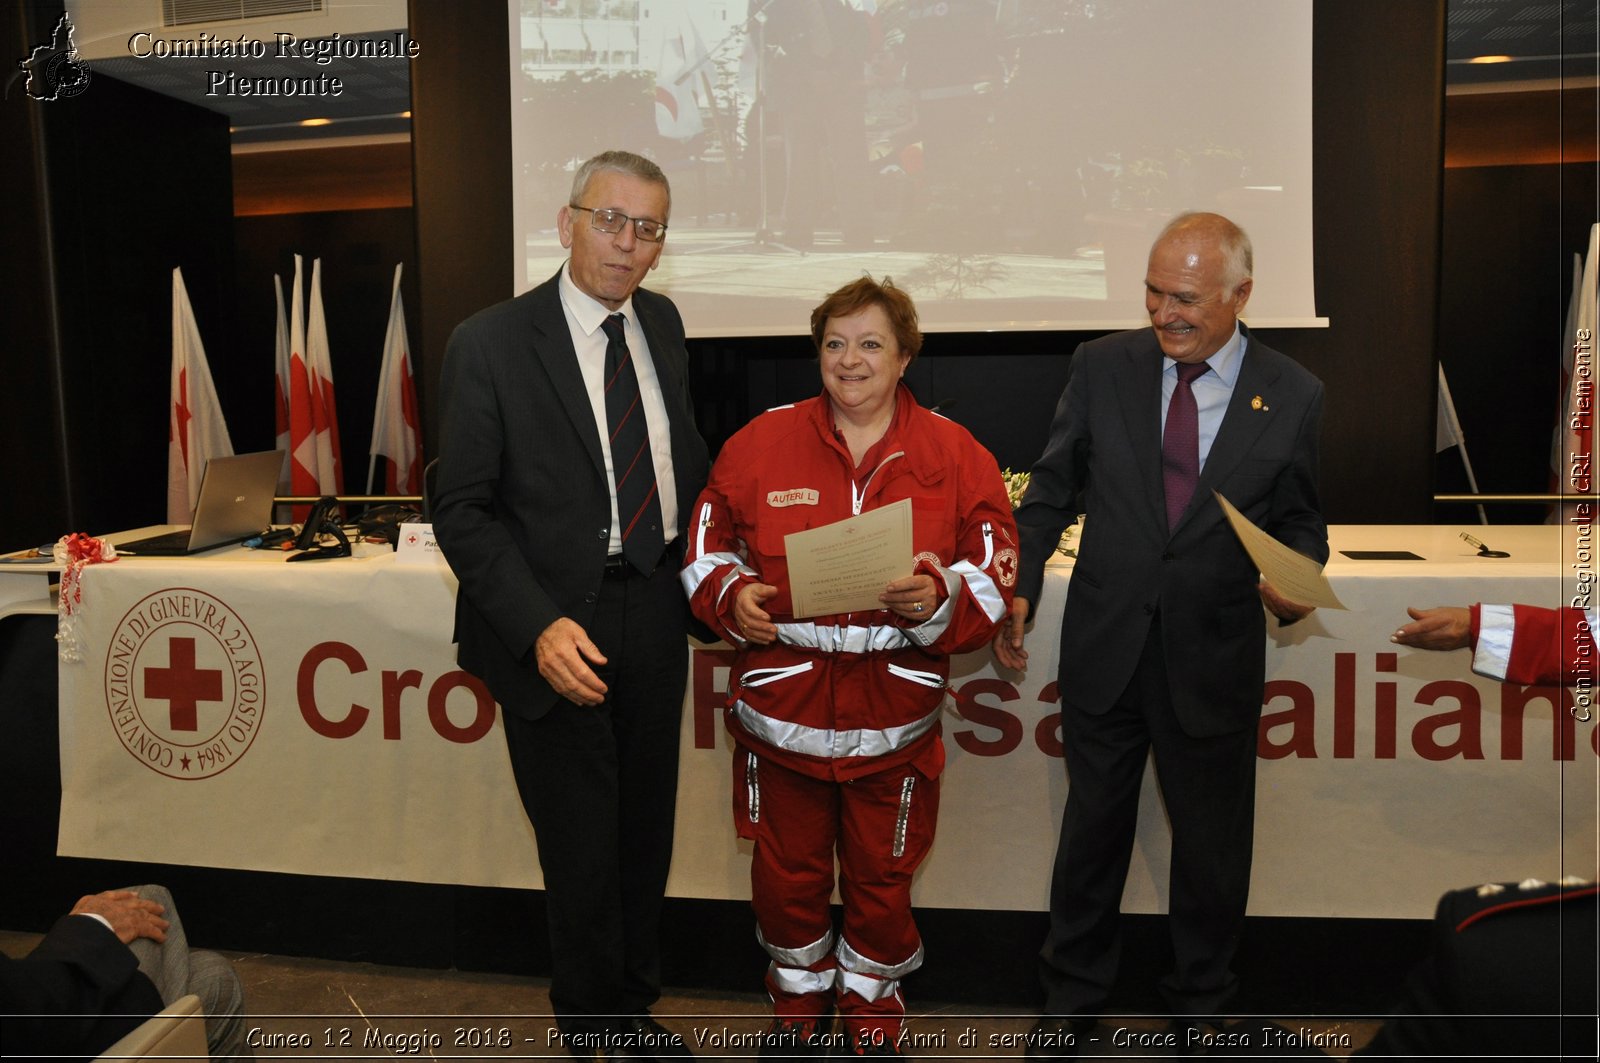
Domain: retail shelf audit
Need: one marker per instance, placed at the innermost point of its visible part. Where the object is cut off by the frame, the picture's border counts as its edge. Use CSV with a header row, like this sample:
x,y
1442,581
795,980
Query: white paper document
x,y
1291,573
843,567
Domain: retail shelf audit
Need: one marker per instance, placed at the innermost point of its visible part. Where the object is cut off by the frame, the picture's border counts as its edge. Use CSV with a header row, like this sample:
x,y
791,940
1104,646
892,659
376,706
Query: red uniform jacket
x,y
851,694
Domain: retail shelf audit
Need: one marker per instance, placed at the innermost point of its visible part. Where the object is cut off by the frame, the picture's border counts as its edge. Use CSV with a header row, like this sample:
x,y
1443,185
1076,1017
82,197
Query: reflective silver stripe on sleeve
x,y
732,577
903,815
837,639
804,956
977,581
851,960
702,566
825,742
1496,625
928,632
983,589
752,789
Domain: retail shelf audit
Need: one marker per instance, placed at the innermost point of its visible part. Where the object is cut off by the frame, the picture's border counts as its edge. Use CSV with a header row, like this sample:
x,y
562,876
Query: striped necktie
x,y
632,466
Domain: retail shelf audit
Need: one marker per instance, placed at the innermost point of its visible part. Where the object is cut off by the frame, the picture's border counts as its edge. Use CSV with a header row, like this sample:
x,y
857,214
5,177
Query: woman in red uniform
x,y
836,718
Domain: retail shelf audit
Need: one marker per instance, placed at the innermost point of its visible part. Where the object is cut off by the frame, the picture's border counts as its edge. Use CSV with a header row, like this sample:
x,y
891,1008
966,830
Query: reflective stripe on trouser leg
x,y
887,824
868,979
800,981
791,880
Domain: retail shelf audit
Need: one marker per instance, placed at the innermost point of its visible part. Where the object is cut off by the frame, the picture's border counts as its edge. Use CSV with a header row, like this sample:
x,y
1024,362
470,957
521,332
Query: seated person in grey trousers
x,y
105,967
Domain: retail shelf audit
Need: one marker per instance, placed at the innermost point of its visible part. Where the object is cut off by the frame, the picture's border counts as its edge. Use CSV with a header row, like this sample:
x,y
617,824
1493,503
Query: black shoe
x,y
641,1037
1057,1036
586,1046
795,1039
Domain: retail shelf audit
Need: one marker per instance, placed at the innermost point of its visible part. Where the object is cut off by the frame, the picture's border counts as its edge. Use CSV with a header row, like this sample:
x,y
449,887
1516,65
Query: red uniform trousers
x,y
881,826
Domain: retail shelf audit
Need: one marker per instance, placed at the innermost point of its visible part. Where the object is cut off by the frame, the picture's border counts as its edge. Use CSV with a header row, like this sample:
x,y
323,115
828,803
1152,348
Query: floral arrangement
x,y
1016,487
1016,484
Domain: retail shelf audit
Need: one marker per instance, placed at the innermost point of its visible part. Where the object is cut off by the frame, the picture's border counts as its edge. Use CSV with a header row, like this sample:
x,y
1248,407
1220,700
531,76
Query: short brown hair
x,y
862,293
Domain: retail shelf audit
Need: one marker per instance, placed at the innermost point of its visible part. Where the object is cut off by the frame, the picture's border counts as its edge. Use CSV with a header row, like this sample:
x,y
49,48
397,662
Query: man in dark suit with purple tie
x,y
1163,640
567,469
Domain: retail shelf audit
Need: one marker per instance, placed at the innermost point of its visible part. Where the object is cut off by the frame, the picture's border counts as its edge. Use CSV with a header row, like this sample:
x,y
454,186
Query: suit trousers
x,y
599,784
178,971
1208,787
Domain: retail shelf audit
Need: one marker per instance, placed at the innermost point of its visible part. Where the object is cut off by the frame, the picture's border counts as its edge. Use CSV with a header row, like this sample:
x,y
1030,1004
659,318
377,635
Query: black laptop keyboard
x,y
171,542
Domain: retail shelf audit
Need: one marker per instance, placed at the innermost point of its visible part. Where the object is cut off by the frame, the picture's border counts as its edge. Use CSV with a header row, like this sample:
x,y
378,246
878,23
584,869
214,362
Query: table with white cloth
x,y
310,718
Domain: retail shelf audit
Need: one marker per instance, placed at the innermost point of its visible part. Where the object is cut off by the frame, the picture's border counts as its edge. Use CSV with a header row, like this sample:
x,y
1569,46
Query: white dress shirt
x,y
1211,390
585,314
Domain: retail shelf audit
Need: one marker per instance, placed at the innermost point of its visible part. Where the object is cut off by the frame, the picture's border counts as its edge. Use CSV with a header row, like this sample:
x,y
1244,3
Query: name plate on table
x,y
418,546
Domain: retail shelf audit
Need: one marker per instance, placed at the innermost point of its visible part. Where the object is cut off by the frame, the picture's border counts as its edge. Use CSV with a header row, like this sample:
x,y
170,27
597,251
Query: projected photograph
x,y
1006,161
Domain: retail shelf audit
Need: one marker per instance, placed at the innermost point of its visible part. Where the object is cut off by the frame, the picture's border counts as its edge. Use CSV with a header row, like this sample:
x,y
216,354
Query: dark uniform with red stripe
x,y
1511,972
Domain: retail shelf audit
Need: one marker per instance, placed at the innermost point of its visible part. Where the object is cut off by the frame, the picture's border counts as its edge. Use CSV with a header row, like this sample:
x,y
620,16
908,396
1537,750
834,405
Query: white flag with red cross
x,y
196,431
395,434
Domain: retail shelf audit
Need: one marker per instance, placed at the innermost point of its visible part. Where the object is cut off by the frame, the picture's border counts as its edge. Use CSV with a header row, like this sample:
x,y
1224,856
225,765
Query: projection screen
x,y
1006,161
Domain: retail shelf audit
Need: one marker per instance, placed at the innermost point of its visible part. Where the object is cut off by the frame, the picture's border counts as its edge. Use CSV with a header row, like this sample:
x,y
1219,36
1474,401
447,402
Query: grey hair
x,y
623,162
1238,258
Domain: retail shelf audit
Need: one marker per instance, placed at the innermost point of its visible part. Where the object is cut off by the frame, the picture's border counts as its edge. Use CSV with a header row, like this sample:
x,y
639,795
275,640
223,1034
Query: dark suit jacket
x,y
524,505
1104,460
83,970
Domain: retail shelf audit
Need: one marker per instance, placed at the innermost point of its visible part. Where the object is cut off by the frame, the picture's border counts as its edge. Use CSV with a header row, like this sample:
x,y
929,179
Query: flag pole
x,y
1450,433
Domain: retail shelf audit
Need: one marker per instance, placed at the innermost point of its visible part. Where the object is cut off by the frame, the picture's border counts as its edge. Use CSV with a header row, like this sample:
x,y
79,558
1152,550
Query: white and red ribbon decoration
x,y
74,552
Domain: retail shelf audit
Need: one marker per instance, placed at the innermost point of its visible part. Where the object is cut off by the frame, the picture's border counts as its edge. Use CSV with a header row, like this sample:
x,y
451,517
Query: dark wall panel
x,y
140,184
461,165
34,501
124,184
1378,76
1506,276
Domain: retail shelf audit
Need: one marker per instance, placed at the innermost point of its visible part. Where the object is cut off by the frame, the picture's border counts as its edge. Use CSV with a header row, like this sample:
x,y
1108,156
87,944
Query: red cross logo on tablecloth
x,y
182,684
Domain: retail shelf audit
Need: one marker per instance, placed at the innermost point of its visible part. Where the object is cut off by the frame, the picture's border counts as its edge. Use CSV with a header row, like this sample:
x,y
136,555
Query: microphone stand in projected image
x,y
763,239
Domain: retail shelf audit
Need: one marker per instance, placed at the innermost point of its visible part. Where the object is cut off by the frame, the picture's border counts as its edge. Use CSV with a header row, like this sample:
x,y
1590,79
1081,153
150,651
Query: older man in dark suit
x,y
568,465
105,967
1163,640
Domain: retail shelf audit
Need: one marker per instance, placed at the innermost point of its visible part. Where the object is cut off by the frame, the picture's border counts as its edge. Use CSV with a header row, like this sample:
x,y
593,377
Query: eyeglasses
x,y
611,221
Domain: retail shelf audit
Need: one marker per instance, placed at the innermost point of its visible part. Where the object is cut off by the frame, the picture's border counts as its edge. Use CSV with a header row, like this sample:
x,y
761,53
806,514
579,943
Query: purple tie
x,y
1180,444
631,463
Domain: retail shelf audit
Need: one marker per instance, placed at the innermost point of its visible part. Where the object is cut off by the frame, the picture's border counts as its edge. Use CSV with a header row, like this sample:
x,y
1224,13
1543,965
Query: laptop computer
x,y
236,495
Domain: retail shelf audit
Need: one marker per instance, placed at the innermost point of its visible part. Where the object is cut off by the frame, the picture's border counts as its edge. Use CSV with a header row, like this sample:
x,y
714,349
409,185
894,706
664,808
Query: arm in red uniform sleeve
x,y
975,588
714,559
1532,645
